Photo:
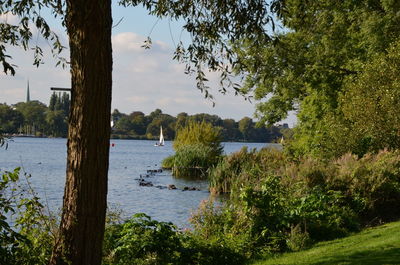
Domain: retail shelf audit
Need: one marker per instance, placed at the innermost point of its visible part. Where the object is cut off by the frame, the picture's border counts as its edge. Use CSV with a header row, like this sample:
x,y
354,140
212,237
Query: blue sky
x,y
142,79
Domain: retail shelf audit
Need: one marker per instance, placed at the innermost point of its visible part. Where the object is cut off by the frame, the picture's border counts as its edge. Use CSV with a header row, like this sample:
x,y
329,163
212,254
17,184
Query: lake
x,y
45,160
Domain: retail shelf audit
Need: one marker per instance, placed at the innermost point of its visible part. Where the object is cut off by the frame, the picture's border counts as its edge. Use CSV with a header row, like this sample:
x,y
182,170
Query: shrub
x,y
323,214
231,173
198,147
371,184
193,160
219,225
199,133
141,240
30,236
298,239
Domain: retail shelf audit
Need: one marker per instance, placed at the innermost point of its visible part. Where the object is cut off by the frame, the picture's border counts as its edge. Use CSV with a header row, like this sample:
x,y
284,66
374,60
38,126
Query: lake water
x,y
45,160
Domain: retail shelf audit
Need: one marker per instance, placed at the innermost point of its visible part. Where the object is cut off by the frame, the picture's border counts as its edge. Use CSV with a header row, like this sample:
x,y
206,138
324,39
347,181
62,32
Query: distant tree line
x,y
137,125
35,118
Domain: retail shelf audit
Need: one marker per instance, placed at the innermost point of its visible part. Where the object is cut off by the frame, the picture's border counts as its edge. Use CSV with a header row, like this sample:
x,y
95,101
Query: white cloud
x,y
145,65
138,100
161,46
127,42
132,42
9,18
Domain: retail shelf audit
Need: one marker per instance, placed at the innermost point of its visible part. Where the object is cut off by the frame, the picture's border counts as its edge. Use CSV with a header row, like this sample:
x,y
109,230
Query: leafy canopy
x,y
20,34
324,45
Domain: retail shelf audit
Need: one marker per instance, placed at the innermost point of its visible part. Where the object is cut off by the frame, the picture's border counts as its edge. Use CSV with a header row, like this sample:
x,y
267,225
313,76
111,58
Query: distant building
x,y
28,96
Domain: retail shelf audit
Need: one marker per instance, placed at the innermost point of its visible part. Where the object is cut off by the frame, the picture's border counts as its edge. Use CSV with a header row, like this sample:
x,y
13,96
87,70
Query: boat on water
x,y
161,141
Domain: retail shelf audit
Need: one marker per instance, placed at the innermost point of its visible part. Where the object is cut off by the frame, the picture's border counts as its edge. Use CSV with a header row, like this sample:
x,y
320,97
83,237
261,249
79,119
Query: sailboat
x,y
161,141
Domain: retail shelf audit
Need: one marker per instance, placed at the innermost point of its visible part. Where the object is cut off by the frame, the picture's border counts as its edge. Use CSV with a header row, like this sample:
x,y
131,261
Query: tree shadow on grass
x,y
374,257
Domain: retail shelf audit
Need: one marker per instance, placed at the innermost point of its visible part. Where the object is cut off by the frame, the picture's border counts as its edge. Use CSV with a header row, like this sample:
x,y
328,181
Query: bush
x,y
298,239
141,240
29,237
198,147
193,161
231,173
199,133
371,184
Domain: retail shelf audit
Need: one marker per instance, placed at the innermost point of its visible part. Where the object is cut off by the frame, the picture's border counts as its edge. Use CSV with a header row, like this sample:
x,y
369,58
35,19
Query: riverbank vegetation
x,y
197,148
278,204
27,230
278,207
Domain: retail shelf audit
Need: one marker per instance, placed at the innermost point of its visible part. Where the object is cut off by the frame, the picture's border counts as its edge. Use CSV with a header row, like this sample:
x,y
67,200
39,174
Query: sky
x,y
143,80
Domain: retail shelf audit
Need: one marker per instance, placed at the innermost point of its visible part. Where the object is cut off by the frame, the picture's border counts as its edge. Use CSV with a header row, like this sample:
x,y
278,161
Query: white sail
x,y
161,137
161,141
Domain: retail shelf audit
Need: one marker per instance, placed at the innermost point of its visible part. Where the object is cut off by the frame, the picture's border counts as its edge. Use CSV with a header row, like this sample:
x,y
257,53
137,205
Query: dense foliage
x,y
199,133
369,120
35,118
325,62
276,204
26,232
141,240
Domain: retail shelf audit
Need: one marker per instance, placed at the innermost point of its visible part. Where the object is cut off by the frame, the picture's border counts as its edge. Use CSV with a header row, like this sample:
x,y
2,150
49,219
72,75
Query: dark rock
x,y
153,171
145,183
171,187
190,188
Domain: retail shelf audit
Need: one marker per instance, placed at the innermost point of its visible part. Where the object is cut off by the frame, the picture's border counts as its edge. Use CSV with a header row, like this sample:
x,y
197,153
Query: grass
x,y
374,246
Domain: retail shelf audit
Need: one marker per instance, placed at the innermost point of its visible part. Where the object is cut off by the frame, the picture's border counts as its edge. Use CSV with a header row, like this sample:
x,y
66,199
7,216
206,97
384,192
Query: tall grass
x,y
193,161
198,148
232,172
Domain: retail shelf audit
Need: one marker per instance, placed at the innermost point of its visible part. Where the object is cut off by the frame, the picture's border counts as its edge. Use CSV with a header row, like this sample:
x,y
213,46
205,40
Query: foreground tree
x,y
85,195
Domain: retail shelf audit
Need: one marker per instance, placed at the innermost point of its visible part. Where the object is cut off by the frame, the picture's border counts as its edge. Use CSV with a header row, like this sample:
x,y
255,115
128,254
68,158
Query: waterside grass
x,y
373,246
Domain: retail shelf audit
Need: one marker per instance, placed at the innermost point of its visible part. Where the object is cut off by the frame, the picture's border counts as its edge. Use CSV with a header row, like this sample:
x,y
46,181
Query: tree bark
x,y
85,196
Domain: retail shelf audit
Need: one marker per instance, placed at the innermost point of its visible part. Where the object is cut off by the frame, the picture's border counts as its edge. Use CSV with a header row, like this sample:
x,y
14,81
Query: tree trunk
x,y
85,196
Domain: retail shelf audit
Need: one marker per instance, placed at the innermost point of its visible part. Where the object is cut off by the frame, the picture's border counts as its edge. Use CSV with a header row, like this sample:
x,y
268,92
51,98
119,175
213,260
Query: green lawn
x,y
379,245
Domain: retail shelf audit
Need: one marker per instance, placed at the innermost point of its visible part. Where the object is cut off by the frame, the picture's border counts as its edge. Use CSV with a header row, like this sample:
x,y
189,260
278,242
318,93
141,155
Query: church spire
x,y
28,97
